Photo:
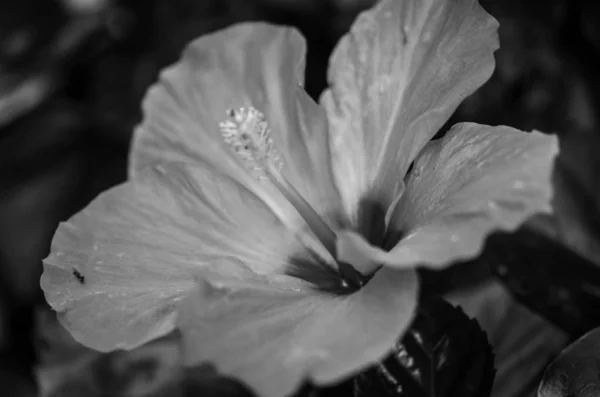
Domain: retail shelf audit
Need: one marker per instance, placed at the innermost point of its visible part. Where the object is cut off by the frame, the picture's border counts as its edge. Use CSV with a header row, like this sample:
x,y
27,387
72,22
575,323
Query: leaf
x,y
444,354
152,370
547,277
523,342
68,369
576,371
577,198
204,381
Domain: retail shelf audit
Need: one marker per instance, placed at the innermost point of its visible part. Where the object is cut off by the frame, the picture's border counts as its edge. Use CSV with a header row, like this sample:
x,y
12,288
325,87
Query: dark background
x,y
73,73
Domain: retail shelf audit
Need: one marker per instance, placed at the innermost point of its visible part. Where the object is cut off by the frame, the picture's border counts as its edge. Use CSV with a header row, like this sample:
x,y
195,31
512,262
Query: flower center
x,y
248,134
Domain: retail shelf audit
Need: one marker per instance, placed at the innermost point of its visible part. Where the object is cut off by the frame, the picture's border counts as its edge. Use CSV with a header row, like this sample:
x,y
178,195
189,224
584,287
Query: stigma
x,y
247,133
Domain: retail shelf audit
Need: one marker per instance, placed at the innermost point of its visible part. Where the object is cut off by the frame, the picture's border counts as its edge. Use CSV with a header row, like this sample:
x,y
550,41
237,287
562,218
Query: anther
x,y
248,134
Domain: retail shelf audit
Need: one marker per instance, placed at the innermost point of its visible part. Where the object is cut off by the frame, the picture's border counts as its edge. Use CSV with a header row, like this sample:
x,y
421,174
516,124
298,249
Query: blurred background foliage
x,y
73,73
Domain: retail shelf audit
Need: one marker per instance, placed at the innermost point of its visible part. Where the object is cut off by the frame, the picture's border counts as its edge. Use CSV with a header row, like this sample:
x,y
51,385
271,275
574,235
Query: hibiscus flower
x,y
279,235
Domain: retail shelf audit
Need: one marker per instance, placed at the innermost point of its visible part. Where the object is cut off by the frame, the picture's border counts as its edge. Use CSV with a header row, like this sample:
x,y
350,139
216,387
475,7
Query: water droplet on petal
x,y
427,36
492,205
518,185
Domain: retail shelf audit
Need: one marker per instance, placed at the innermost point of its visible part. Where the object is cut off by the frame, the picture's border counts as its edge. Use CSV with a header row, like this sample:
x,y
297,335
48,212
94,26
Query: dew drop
x,y
427,36
492,205
518,185
405,29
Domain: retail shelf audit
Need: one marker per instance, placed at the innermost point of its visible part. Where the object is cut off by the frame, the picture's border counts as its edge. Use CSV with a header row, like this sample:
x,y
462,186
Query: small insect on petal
x,y
80,277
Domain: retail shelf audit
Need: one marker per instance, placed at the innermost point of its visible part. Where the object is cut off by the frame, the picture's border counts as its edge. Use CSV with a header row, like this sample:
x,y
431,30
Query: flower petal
x,y
118,269
395,80
475,180
274,334
523,342
248,65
